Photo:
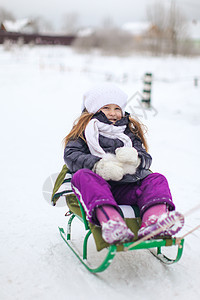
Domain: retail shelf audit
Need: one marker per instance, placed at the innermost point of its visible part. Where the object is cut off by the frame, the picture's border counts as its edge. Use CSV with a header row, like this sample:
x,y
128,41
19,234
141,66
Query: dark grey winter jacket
x,y
77,155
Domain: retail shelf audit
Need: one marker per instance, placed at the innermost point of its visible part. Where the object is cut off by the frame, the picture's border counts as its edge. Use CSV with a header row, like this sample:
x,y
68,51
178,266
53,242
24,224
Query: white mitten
x,y
127,155
129,168
109,168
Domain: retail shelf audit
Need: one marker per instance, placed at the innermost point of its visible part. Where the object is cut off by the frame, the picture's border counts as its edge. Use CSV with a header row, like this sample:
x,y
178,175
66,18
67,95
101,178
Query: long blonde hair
x,y
80,124
79,127
139,130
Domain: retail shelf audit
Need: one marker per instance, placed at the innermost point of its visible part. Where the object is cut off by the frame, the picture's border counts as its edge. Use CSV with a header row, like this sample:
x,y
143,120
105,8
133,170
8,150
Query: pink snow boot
x,y
157,217
114,228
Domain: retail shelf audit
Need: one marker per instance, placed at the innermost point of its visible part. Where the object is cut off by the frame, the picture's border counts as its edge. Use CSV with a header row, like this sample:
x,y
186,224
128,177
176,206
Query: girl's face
x,y
112,111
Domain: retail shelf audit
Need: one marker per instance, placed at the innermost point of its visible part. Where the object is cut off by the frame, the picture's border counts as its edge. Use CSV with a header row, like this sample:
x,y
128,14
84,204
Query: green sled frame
x,y
112,250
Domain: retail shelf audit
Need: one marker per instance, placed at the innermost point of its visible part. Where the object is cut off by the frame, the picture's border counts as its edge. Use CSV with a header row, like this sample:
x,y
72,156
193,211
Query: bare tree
x,y
6,15
108,23
177,27
168,28
157,17
156,14
41,25
70,23
108,39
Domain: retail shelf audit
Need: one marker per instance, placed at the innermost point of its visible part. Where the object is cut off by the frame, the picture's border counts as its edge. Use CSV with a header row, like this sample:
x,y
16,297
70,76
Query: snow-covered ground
x,y
40,96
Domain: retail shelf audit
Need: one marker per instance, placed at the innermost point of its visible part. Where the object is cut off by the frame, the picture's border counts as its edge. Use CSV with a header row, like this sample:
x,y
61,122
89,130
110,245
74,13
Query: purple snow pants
x,y
93,191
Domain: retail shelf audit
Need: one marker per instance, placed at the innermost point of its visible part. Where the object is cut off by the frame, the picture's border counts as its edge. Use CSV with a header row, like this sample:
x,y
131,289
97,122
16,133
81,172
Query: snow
x,y
16,26
85,32
136,28
41,90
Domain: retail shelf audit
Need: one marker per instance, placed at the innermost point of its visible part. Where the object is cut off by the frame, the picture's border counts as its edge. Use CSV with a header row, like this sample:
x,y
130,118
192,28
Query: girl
x,y
106,152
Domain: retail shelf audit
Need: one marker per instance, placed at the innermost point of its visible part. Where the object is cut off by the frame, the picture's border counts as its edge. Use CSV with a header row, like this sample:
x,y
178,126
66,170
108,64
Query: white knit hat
x,y
103,94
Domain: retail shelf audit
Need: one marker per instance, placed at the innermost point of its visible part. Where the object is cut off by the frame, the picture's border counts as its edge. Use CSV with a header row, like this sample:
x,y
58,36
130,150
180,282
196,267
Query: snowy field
x,y
40,94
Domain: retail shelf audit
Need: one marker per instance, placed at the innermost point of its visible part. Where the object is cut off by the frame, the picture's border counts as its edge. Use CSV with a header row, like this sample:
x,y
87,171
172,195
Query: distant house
x,y
145,29
194,30
20,26
26,30
2,27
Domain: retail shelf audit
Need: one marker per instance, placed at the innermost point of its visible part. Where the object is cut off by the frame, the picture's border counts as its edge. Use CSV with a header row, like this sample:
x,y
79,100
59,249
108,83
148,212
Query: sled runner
x,y
76,210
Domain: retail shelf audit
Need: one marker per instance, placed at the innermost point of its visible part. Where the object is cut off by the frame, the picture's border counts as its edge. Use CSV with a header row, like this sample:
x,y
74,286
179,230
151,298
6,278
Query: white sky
x,y
93,12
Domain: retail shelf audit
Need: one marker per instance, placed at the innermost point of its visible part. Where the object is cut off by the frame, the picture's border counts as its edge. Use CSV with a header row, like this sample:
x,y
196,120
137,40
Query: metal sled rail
x,y
104,265
76,210
113,249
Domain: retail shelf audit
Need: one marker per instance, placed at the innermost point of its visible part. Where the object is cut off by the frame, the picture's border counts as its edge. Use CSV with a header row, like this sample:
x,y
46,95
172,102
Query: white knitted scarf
x,y
95,127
